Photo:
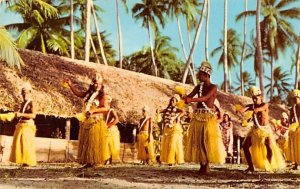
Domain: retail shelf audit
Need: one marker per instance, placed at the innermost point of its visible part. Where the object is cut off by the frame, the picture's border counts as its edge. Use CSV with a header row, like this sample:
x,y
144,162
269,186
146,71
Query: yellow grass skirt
x,y
283,144
23,146
145,149
93,146
293,154
172,145
258,150
113,137
205,143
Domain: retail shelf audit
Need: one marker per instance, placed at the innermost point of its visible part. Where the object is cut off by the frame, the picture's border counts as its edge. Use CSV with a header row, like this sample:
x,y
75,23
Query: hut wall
x,y
60,150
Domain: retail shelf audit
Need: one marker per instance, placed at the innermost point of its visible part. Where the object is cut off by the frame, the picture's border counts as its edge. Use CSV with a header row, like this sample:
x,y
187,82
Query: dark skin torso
x,y
209,94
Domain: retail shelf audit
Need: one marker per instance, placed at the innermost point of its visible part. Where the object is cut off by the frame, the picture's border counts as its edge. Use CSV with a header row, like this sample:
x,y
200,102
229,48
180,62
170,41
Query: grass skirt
x,y
293,153
258,150
93,146
283,144
172,145
113,138
145,149
23,146
205,143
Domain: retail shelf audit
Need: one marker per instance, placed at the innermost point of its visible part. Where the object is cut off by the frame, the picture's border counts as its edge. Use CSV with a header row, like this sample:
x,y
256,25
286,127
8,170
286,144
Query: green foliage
x,y
169,66
8,50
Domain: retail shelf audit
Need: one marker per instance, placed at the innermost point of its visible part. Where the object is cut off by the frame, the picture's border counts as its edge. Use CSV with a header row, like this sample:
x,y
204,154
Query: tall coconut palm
x,y
8,50
42,28
120,31
248,82
87,30
225,63
243,51
165,56
188,8
297,62
259,57
233,51
199,25
148,11
72,29
281,82
276,28
206,31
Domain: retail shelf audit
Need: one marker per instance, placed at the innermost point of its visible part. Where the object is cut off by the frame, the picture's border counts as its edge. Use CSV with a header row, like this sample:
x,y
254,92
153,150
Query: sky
x,y
135,36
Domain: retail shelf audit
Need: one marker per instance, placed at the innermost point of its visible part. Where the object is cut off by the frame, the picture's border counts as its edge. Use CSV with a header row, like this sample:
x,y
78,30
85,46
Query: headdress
x,y
296,93
205,67
255,91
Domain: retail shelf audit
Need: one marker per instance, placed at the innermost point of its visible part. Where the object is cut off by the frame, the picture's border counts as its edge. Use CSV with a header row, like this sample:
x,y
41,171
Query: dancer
x,y
145,139
260,148
113,134
92,145
23,146
205,139
172,144
293,154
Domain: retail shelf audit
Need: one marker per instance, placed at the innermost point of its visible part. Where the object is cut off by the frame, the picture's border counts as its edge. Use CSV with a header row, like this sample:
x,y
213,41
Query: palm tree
x,y
8,50
259,57
281,82
120,31
225,63
297,64
188,62
87,30
189,9
276,28
243,52
206,32
248,82
233,51
168,64
42,29
72,29
148,11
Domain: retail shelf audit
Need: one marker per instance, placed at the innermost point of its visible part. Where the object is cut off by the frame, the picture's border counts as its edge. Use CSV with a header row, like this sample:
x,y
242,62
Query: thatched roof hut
x,y
130,90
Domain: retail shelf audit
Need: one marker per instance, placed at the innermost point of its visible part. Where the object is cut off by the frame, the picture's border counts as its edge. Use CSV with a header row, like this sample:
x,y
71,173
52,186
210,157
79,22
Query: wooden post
x,y
68,129
238,150
67,137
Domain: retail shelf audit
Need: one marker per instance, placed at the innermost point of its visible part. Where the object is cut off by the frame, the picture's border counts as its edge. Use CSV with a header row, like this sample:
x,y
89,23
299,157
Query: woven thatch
x,y
130,89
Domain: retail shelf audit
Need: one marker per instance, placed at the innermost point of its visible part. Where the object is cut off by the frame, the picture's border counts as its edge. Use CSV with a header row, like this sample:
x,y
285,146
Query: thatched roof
x,y
131,90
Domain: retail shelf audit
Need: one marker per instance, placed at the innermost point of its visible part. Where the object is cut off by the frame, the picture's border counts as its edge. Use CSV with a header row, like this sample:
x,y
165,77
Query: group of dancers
x,y
99,138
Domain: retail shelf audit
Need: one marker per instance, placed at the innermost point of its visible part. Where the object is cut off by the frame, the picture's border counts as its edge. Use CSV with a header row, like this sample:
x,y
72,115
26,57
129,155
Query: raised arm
x,y
75,90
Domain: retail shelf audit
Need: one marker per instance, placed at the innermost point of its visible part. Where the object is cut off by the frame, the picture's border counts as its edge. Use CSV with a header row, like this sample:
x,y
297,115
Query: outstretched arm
x,y
75,90
262,108
194,92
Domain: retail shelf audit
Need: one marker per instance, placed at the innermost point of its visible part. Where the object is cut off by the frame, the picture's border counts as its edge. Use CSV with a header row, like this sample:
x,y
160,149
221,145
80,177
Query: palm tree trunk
x,y
225,48
297,64
151,49
95,51
87,31
184,51
243,51
206,32
194,42
119,35
259,47
98,35
72,29
190,46
271,85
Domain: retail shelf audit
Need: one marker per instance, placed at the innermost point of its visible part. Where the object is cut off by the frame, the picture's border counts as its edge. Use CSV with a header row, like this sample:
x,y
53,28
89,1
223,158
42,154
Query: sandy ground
x,y
142,176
